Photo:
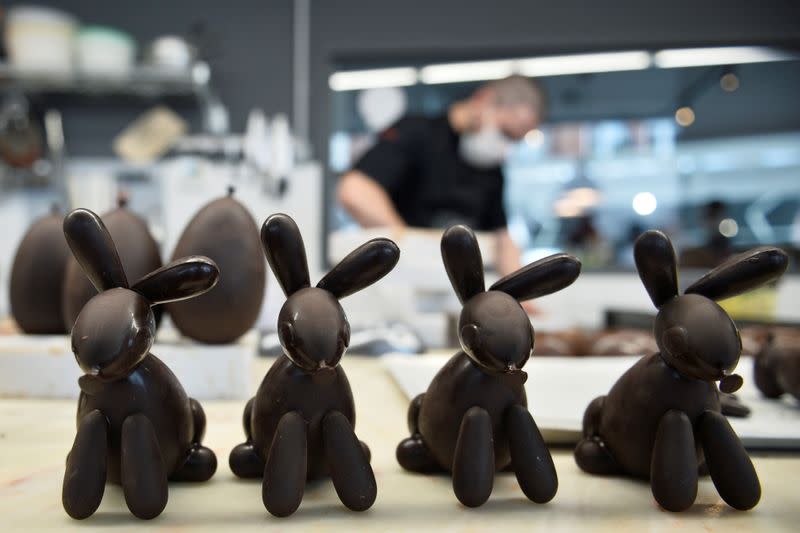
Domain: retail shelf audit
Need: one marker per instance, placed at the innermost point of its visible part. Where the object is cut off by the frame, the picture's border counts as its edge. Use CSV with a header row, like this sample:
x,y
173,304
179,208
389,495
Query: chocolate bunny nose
x,y
513,376
324,374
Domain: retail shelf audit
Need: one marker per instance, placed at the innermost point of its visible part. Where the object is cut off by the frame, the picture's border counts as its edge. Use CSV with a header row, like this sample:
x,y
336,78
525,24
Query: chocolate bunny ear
x,y
539,278
181,279
463,261
657,266
361,268
742,273
286,255
92,246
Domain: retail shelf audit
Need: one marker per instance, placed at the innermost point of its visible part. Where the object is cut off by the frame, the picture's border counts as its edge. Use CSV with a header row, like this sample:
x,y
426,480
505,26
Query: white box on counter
x,y
43,366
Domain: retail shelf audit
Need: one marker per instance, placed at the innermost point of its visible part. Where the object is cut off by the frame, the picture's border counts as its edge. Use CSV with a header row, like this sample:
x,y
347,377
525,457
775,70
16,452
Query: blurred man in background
x,y
716,247
434,172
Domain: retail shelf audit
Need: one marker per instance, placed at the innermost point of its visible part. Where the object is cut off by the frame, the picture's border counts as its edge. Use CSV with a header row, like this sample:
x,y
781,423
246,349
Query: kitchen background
x,y
700,151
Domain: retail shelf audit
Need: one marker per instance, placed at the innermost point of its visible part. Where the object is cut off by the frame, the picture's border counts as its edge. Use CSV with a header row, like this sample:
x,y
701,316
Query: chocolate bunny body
x,y
661,420
473,420
300,423
136,425
776,366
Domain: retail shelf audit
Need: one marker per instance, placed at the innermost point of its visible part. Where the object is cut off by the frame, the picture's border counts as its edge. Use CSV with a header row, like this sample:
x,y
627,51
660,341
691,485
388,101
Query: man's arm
x,y
507,260
507,254
366,201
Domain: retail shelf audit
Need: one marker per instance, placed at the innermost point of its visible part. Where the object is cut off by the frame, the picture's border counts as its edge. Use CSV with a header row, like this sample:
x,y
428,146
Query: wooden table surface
x,y
35,436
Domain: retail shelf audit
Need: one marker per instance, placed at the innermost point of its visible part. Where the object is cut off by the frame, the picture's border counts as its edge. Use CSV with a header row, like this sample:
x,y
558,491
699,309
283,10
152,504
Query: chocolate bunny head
x,y
115,329
494,330
312,326
694,334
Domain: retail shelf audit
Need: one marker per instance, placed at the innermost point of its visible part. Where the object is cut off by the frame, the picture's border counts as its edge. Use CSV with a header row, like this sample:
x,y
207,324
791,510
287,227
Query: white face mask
x,y
484,148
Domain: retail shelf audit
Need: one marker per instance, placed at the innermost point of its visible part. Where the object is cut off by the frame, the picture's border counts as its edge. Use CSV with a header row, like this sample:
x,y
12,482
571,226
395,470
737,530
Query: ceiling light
x,y
352,80
729,82
644,203
583,63
684,116
534,138
461,72
726,55
728,227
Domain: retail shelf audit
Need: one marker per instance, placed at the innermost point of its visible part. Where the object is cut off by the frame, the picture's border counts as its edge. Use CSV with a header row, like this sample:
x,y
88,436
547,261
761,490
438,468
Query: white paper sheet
x,y
560,388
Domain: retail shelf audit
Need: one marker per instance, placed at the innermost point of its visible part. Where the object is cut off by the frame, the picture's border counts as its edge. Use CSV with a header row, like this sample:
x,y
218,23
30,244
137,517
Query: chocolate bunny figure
x,y
300,423
661,420
136,425
776,366
473,420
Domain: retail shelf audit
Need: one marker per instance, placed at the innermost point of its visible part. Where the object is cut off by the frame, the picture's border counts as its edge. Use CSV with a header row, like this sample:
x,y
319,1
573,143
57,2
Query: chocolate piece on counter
x,y
580,340
37,276
661,420
137,250
300,424
777,364
224,231
754,337
623,342
548,343
136,425
731,405
473,420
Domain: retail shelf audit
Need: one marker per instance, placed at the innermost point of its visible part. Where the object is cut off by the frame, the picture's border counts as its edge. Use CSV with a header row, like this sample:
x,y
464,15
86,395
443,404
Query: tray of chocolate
x,y
765,412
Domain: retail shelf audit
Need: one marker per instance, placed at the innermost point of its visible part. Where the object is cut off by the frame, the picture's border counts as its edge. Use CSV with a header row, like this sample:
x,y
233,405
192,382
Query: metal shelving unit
x,y
142,80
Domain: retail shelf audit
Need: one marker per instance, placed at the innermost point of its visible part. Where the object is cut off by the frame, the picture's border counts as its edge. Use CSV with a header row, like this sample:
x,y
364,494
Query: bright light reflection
x,y
644,203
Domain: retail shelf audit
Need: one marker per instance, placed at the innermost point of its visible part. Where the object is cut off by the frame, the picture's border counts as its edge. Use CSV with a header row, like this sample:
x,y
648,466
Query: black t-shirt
x,y
417,162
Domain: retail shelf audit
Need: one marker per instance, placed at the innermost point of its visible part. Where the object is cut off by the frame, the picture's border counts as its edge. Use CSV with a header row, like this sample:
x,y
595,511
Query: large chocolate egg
x,y
224,231
137,250
37,275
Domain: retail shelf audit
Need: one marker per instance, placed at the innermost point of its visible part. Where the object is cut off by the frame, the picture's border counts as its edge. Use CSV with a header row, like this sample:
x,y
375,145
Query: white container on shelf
x,y
40,39
104,52
172,53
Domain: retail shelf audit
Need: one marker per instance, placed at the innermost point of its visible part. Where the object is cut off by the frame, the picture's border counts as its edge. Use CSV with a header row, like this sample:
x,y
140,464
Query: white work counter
x,y
35,436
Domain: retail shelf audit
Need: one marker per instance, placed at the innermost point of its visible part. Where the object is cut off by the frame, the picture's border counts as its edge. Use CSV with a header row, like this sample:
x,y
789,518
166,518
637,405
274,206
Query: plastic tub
x,y
104,52
40,39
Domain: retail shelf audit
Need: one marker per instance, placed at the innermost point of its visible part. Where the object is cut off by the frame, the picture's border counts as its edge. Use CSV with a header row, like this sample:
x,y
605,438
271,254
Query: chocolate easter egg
x,y
224,231
137,250
37,275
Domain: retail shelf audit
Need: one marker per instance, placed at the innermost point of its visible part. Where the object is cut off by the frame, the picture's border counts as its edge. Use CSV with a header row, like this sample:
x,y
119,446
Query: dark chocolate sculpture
x,y
474,420
777,364
661,420
137,250
300,424
37,275
136,425
224,231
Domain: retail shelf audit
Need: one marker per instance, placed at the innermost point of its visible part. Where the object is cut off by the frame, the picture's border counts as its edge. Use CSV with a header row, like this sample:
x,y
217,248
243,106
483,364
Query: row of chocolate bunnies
x,y
661,421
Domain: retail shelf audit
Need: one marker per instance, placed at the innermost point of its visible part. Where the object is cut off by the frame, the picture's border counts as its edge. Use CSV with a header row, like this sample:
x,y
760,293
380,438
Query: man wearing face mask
x,y
434,172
